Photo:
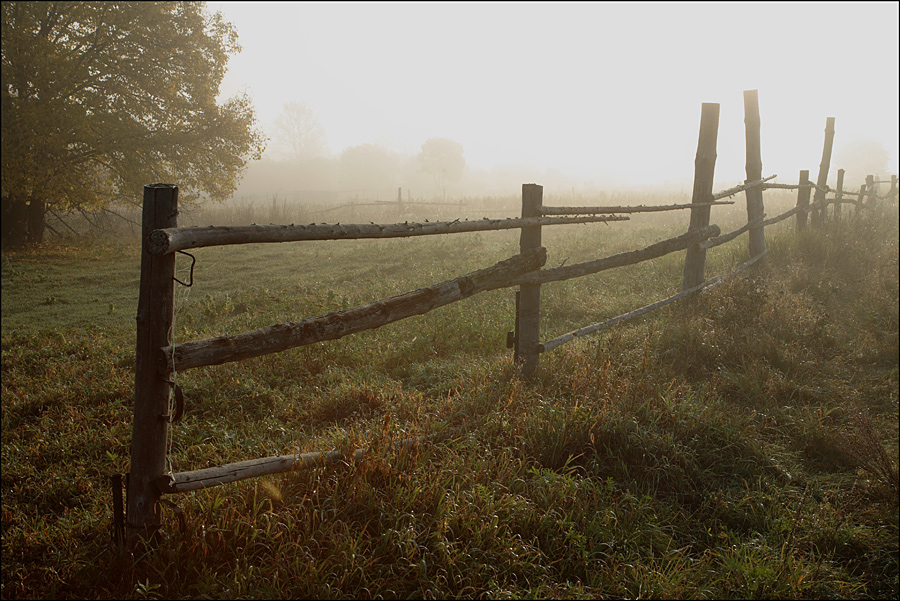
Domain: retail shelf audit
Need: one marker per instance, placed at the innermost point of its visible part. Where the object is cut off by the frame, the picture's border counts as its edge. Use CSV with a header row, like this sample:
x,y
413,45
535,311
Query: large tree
x,y
298,133
443,160
101,98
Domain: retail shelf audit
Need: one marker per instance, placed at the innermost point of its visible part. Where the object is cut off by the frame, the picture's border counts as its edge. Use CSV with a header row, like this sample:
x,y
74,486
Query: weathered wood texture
x,y
818,215
155,313
283,336
704,171
529,305
232,472
635,209
567,272
172,239
755,208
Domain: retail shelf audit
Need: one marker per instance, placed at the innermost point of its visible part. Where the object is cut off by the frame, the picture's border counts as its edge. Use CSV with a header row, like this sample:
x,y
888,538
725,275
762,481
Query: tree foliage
x,y
298,133
368,166
443,160
101,98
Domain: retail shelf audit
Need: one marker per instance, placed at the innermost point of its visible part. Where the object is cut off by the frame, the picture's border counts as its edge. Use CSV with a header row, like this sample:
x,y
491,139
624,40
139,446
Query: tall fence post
x,y
818,215
704,169
838,195
803,199
529,305
151,391
755,208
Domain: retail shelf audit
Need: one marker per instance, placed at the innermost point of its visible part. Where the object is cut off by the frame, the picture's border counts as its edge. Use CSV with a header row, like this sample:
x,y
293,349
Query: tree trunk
x,y
36,213
14,222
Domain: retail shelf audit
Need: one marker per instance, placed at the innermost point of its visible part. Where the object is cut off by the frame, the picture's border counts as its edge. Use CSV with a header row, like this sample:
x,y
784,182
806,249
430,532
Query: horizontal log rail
x,y
283,336
169,240
214,476
649,209
653,251
635,209
232,472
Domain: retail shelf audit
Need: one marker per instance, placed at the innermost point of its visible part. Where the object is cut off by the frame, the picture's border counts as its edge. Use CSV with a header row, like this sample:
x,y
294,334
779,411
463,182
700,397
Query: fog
x,y
578,96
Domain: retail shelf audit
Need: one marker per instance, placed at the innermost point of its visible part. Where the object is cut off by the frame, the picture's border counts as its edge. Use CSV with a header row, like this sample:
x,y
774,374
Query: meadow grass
x,y
742,444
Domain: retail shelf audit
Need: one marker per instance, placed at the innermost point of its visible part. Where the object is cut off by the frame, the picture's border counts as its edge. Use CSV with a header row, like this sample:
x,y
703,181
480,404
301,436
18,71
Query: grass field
x,y
743,444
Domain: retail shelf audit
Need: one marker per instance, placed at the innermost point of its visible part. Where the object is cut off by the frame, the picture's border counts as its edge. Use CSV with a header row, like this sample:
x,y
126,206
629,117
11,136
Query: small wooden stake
x,y
704,169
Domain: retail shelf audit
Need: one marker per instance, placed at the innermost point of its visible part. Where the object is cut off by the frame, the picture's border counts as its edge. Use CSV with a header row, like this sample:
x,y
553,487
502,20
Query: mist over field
x,y
579,97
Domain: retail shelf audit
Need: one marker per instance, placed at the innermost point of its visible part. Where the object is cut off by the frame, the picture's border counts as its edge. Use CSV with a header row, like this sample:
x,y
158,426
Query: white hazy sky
x,y
601,91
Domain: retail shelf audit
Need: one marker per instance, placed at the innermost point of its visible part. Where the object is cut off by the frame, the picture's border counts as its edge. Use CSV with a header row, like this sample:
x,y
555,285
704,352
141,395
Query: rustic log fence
x,y
158,357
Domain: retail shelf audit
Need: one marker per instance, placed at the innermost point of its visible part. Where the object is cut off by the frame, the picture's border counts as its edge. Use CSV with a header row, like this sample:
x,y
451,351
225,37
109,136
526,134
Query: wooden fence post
x,y
529,305
818,215
839,195
859,200
870,195
803,199
755,208
704,169
151,391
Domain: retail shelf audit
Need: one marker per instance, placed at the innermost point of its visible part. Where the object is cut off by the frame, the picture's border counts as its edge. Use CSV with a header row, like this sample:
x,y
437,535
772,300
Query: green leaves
x,y
101,98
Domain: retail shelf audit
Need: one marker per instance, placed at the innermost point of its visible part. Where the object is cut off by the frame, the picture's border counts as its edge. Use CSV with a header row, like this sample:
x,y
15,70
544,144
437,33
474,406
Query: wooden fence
x,y
157,358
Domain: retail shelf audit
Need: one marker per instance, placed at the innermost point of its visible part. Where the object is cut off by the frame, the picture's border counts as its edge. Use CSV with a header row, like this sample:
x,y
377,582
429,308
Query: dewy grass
x,y
739,444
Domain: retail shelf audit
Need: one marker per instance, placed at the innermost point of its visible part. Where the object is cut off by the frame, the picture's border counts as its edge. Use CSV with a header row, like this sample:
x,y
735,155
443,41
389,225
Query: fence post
x,y
818,215
529,305
803,199
151,391
871,200
755,208
839,195
859,199
704,169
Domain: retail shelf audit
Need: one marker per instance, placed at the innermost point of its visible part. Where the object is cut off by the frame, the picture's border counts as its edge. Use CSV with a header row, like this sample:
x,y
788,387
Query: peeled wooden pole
x,y
704,170
155,313
755,208
171,239
283,336
638,208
